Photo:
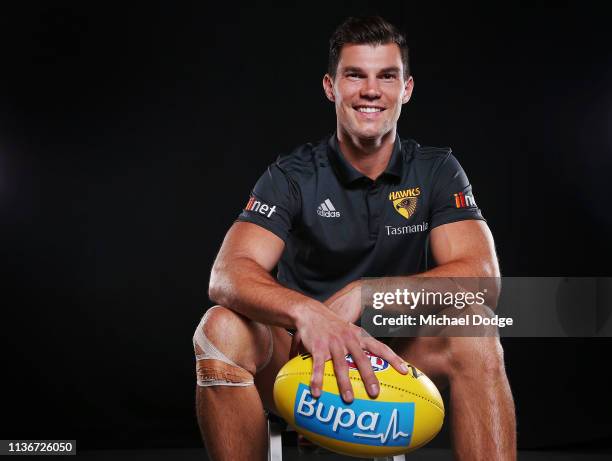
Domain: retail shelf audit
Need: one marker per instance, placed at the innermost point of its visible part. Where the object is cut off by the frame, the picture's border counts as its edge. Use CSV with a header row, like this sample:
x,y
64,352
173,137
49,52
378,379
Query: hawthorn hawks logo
x,y
377,363
405,201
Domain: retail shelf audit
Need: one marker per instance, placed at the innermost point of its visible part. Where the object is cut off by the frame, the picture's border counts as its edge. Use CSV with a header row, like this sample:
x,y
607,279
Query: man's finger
x,y
341,370
316,381
385,352
364,366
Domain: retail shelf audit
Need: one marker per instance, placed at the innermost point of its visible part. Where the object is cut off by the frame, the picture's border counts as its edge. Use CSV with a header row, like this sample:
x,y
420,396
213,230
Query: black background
x,y
130,136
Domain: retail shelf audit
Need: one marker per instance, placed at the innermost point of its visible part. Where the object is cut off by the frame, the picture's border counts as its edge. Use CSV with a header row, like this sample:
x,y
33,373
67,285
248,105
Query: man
x,y
361,203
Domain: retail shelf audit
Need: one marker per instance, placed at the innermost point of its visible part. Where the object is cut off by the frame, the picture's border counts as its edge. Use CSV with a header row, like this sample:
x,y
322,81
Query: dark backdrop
x,y
130,137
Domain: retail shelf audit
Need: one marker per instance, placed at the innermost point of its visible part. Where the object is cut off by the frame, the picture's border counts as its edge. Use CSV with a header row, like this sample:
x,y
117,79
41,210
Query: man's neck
x,y
368,156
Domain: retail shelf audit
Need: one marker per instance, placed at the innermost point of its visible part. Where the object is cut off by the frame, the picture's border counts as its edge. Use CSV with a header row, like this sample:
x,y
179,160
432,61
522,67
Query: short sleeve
x,y
452,196
274,202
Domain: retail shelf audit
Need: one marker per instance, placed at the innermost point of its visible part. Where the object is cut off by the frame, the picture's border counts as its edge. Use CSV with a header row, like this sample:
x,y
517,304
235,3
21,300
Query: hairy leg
x,y
232,423
230,412
482,415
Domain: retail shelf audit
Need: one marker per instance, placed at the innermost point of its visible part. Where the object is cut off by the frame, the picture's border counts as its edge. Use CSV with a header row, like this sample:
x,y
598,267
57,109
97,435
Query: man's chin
x,y
369,134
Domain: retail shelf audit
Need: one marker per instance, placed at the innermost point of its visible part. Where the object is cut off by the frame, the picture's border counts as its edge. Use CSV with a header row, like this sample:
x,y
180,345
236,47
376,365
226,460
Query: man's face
x,y
368,90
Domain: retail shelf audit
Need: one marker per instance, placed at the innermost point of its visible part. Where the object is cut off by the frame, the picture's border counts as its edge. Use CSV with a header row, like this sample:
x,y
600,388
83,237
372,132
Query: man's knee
x,y
230,347
479,357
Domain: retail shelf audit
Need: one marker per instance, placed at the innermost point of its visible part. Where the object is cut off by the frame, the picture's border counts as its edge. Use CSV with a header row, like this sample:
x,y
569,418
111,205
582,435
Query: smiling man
x,y
368,85
361,203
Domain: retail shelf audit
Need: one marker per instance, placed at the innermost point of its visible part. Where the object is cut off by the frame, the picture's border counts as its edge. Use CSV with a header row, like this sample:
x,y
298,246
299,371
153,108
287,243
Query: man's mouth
x,y
368,109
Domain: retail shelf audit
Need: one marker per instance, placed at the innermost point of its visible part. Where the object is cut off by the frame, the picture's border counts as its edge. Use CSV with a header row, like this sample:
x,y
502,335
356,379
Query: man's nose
x,y
370,88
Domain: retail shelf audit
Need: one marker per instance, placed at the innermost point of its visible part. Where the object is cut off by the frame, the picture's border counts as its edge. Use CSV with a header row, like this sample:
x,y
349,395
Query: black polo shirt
x,y
338,225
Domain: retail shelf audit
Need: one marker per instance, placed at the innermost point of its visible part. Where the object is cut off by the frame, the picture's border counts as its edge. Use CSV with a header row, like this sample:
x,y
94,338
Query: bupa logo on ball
x,y
377,363
364,422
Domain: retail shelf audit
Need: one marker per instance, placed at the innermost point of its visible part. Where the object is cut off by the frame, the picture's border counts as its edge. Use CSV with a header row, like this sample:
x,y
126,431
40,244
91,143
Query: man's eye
x,y
388,76
352,75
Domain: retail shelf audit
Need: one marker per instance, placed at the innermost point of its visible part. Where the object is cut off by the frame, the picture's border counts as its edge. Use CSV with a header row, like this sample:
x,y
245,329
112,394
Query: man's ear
x,y
328,87
408,87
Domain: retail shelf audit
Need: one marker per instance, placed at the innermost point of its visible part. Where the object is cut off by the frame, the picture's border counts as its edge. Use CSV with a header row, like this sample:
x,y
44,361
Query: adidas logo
x,y
327,210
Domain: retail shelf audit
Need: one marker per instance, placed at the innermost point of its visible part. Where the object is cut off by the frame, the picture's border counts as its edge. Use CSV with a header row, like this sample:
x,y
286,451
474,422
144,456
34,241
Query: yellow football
x,y
407,413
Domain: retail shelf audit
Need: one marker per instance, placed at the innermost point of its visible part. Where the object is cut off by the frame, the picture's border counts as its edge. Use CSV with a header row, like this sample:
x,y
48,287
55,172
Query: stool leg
x,y
275,442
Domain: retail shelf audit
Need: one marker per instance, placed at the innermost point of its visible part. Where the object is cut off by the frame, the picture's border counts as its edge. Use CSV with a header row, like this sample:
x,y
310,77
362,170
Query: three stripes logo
x,y
464,200
327,210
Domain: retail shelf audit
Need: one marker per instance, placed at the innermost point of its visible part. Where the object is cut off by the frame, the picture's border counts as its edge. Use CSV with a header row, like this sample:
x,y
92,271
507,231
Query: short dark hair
x,y
370,30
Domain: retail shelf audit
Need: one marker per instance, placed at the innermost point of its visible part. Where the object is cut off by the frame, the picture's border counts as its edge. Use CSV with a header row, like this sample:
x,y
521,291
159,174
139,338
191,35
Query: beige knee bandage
x,y
214,368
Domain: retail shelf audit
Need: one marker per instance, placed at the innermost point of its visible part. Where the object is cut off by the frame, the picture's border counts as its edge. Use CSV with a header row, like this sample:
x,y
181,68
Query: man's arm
x,y
465,249
241,280
461,249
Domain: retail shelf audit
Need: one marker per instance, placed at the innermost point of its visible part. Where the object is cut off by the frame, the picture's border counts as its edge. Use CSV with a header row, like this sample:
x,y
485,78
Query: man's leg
x,y
236,359
482,416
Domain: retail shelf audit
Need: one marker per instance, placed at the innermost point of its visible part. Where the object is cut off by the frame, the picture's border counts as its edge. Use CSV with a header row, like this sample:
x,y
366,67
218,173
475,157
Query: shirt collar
x,y
348,174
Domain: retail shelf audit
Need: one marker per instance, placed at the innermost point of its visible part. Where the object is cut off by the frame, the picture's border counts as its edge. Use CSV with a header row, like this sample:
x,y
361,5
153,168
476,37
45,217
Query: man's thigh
x,y
428,354
264,379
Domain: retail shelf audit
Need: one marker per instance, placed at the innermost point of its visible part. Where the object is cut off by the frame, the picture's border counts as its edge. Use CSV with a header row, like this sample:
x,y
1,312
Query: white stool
x,y
275,443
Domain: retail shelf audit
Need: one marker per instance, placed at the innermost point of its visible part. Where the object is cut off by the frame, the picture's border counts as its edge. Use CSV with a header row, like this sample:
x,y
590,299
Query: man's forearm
x,y
244,286
468,276
477,267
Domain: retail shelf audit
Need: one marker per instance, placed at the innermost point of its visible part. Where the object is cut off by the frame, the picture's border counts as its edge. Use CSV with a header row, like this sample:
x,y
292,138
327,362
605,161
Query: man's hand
x,y
345,303
328,336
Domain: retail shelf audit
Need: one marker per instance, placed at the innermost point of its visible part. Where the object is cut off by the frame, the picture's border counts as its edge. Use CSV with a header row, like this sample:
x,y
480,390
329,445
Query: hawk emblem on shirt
x,y
405,201
405,206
